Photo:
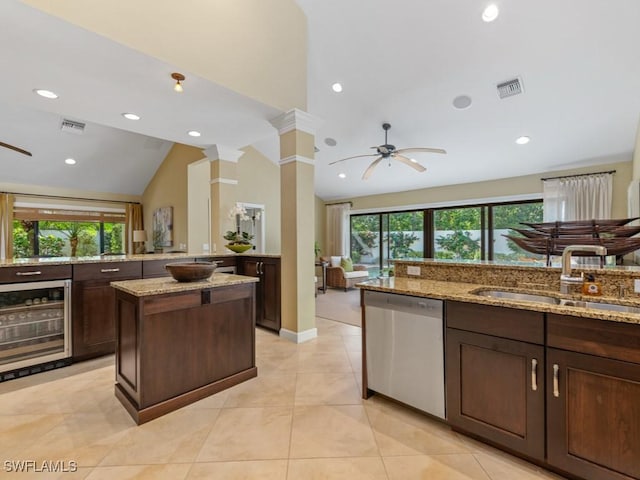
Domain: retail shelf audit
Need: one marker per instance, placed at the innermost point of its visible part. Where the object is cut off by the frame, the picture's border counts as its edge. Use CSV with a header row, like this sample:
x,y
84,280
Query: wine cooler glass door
x,y
34,323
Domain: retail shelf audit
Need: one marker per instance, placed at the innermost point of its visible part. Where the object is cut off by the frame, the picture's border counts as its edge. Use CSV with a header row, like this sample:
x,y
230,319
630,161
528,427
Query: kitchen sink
x,y
541,298
614,307
521,297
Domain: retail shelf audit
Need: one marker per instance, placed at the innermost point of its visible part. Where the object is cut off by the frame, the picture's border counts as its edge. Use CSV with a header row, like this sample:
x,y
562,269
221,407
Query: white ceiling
x,y
400,62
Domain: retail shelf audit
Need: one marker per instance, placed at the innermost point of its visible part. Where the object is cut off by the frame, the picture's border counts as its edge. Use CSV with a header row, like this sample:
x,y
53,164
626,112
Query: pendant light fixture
x,y
178,77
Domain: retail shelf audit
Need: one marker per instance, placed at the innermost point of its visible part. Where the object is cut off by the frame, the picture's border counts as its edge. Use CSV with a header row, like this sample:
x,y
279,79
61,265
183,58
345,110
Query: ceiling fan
x,y
14,148
387,151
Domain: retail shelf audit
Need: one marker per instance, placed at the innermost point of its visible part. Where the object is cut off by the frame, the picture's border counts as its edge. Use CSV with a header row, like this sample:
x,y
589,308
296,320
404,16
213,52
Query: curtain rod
x,y
578,175
69,198
339,203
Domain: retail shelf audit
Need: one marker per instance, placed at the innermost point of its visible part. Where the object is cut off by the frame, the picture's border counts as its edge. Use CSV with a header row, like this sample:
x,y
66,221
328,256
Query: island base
x,y
144,415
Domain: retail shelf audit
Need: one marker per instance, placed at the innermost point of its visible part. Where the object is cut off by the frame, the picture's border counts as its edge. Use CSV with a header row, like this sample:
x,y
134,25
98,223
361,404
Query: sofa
x,y
338,277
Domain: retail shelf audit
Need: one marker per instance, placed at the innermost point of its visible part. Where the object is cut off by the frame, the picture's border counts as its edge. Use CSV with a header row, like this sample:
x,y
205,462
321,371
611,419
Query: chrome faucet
x,y
566,280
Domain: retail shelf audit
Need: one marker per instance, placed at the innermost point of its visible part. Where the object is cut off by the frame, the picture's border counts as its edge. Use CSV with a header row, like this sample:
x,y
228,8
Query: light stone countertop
x,y
161,285
463,292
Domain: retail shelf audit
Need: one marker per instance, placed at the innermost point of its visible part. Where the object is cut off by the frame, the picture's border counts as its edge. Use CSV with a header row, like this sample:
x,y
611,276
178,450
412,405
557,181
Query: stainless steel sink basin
x,y
521,297
614,307
540,298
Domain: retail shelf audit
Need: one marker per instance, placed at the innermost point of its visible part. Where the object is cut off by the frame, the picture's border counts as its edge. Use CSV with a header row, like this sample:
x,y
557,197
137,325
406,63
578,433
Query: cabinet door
x,y
93,313
495,389
593,415
270,301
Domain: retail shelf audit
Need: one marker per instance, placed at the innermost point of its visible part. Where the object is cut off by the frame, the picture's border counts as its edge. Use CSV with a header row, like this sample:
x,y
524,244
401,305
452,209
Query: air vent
x,y
510,88
72,126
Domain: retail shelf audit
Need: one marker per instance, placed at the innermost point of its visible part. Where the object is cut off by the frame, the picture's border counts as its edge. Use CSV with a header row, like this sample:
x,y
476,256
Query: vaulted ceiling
x,y
401,62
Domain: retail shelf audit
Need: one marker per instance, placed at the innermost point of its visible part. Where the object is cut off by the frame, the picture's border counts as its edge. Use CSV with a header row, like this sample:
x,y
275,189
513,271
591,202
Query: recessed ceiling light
x,y
336,87
330,141
131,116
46,93
523,140
490,13
462,101
70,161
193,133
342,175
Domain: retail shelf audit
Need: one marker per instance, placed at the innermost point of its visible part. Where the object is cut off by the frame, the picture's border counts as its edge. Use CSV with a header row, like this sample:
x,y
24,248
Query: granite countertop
x,y
25,262
162,285
463,292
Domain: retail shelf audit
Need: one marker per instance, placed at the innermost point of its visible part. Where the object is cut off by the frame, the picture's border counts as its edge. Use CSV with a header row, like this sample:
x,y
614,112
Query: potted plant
x,y
238,241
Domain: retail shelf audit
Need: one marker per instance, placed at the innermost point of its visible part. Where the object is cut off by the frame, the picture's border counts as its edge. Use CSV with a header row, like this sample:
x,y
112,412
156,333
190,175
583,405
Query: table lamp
x,y
139,237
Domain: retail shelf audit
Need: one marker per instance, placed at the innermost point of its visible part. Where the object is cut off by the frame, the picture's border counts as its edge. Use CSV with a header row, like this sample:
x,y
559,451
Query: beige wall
x,y
73,194
254,47
259,182
529,184
168,188
636,156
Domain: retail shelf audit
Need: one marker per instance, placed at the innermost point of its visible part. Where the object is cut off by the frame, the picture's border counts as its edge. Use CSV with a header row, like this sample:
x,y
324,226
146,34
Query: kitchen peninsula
x,y
552,377
177,343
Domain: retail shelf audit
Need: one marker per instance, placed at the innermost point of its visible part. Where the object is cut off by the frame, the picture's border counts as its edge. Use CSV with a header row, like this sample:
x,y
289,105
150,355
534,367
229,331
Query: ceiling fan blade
x,y
16,149
416,150
412,164
357,156
369,170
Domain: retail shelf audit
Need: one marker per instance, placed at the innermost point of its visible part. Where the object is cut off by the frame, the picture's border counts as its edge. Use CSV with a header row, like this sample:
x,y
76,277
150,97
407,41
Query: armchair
x,y
337,277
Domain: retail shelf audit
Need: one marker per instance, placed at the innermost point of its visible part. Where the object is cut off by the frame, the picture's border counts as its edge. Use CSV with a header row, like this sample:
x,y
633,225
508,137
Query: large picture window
x,y
57,232
474,232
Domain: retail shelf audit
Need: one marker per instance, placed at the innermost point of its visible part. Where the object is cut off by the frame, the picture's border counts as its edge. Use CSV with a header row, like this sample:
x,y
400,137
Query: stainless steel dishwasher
x,y
405,349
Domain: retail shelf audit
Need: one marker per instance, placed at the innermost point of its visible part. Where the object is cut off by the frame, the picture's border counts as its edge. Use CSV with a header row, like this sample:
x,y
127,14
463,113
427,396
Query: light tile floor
x,y
302,418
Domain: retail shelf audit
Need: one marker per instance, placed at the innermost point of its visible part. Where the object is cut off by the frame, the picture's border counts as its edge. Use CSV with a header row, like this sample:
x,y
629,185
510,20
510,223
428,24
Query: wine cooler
x,y
35,330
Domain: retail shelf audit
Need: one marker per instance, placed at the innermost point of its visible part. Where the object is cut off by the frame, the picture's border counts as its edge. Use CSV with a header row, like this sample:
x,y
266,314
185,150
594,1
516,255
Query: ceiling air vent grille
x,y
72,126
510,88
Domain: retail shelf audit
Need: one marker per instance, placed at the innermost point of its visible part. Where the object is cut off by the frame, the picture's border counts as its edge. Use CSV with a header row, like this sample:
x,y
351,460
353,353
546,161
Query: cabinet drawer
x,y
229,261
35,273
513,323
155,268
615,340
107,271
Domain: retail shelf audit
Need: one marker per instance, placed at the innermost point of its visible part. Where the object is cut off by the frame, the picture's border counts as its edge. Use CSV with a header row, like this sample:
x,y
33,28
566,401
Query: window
x,y
463,233
56,232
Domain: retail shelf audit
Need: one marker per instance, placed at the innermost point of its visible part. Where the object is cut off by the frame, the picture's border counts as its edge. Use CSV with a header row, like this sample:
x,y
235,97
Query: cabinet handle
x,y
556,388
534,374
259,268
26,274
109,270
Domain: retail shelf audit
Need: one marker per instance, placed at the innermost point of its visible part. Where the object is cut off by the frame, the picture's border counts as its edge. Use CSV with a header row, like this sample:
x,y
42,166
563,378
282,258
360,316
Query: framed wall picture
x,y
163,227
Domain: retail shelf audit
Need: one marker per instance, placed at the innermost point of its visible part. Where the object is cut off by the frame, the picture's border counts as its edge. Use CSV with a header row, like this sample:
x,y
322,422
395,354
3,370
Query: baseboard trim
x,y
299,337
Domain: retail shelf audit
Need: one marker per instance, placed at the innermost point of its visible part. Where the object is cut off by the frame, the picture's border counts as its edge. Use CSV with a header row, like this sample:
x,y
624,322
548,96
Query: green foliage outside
x,y
72,238
399,229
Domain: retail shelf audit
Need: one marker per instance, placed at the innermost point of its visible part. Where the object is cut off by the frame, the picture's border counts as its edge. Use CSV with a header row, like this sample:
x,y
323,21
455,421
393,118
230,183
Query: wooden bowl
x,y
191,271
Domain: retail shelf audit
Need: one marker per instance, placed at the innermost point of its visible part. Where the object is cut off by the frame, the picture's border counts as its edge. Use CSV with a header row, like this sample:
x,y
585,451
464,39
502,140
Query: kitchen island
x,y
177,343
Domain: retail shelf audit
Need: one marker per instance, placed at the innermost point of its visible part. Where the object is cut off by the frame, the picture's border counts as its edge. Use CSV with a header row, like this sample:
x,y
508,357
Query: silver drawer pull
x,y
556,388
108,270
534,374
26,274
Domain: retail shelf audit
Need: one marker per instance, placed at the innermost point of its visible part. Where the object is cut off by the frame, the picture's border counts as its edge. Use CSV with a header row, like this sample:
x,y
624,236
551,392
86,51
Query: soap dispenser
x,y
590,286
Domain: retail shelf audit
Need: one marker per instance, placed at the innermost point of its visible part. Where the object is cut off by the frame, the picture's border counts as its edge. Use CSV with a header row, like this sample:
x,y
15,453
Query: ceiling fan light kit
x,y
389,152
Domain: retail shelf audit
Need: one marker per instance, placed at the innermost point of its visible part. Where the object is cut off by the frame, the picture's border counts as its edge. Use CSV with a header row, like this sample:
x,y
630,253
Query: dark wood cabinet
x,y
495,384
93,300
34,273
267,269
593,400
155,268
174,349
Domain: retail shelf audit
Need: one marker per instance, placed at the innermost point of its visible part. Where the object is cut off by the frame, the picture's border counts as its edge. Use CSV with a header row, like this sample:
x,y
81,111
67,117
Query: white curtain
x,y
337,240
583,197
